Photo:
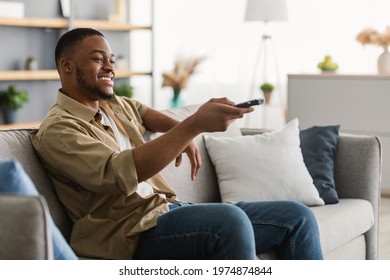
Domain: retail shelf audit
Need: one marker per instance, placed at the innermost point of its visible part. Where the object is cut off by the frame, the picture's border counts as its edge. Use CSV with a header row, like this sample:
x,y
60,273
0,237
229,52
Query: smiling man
x,y
93,79
109,179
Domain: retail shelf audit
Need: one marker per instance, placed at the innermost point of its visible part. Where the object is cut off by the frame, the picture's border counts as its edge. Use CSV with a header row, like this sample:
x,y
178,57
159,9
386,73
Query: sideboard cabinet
x,y
359,103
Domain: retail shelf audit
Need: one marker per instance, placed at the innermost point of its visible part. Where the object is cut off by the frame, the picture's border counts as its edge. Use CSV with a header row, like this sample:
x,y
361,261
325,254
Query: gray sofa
x,y
349,229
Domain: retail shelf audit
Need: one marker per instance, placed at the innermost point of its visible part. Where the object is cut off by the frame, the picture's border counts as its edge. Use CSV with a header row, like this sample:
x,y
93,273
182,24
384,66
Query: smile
x,y
104,78
108,76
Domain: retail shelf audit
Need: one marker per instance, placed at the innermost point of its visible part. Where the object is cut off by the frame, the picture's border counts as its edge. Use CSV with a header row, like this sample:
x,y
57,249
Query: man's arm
x,y
158,122
151,157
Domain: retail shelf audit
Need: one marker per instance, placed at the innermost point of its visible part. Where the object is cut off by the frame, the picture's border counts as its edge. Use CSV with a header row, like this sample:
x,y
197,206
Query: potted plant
x,y
124,90
267,89
11,100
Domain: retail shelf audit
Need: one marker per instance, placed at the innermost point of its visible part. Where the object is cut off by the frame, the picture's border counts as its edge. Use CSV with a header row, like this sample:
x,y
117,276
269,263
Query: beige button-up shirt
x,y
95,181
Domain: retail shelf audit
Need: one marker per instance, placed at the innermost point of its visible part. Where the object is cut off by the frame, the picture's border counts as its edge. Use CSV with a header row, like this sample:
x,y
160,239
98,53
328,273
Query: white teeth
x,y
105,78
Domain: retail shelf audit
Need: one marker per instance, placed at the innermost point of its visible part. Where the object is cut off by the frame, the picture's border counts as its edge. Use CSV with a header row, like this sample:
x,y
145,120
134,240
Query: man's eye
x,y
112,61
99,59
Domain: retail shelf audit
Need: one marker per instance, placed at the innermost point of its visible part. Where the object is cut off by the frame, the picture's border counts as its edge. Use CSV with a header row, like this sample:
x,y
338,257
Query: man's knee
x,y
237,230
230,215
231,230
301,213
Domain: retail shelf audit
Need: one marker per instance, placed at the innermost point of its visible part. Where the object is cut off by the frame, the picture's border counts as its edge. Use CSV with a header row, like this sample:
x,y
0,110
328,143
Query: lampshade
x,y
266,10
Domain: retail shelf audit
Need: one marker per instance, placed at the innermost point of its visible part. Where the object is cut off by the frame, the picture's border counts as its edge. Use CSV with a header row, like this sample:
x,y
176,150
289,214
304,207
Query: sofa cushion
x,y
261,167
318,145
342,222
15,144
352,218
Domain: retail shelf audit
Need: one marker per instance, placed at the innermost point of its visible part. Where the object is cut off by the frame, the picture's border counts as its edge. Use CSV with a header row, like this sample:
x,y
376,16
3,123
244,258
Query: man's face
x,y
95,72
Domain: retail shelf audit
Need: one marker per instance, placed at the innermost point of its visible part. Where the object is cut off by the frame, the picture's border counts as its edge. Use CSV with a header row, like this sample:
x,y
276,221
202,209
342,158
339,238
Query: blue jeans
x,y
224,231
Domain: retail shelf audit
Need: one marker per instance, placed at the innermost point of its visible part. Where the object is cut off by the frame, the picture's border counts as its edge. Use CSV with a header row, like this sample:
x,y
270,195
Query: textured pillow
x,y
262,167
318,145
13,179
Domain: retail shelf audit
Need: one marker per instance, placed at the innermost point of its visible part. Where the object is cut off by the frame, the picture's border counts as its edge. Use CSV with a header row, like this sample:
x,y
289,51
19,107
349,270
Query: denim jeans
x,y
225,231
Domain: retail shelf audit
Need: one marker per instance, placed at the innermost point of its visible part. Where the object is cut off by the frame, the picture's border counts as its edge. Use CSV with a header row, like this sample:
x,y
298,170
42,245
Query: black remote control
x,y
250,103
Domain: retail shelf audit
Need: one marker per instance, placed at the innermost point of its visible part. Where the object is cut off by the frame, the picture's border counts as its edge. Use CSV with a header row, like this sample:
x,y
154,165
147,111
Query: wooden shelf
x,y
109,25
35,22
64,23
29,75
41,75
128,74
19,125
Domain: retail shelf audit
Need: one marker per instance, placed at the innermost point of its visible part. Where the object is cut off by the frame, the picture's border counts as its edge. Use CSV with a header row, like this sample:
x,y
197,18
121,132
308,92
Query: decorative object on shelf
x,y
66,8
384,62
327,66
124,89
31,63
178,78
11,100
370,36
121,62
267,89
119,15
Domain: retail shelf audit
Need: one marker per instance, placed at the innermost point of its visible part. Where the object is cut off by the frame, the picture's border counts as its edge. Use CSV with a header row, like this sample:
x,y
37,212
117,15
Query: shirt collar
x,y
74,107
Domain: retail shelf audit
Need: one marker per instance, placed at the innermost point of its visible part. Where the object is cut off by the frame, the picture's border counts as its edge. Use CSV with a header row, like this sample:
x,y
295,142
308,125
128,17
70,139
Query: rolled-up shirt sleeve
x,y
76,153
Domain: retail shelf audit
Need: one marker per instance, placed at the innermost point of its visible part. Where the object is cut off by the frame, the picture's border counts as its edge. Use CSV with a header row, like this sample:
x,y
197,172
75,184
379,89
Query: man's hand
x,y
193,154
217,114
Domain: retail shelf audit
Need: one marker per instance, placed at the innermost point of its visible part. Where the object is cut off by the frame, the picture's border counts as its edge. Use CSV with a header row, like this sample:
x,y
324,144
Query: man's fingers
x,y
178,160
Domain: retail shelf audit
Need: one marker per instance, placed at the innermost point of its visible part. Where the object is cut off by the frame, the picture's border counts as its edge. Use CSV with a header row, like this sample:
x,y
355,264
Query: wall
x,y
217,28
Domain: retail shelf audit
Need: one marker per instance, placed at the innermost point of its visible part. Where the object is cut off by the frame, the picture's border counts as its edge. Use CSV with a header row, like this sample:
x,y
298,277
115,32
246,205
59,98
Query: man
x,y
108,178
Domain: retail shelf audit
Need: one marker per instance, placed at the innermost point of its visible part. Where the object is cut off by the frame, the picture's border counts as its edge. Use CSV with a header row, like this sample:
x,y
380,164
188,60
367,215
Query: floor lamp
x,y
265,11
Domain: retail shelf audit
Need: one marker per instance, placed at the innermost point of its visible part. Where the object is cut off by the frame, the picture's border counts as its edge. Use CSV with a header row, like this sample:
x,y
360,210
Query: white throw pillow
x,y
262,167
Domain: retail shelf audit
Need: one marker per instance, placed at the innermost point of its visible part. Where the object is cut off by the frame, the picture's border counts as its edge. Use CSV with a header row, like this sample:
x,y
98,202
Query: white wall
x,y
217,28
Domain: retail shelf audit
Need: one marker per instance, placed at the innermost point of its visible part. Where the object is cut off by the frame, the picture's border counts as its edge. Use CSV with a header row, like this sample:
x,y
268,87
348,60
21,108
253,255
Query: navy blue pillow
x,y
318,145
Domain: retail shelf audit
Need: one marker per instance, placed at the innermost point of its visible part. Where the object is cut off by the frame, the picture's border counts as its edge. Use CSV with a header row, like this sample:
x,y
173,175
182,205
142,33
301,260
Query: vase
x,y
384,62
267,96
9,115
176,100
31,65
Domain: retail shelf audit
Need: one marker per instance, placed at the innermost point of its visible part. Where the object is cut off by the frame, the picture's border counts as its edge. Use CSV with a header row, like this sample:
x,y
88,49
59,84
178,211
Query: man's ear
x,y
66,65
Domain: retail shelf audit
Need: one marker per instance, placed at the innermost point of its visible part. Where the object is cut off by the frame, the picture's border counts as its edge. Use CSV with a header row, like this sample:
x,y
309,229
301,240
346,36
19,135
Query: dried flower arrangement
x,y
370,36
183,69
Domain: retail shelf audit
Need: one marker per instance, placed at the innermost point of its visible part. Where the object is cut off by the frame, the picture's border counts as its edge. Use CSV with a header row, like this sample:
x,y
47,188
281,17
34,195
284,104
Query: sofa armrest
x,y
358,171
24,233
358,164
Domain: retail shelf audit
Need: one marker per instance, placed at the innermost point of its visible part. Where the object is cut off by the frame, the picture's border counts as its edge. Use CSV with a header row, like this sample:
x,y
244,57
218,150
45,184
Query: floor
x,y
384,230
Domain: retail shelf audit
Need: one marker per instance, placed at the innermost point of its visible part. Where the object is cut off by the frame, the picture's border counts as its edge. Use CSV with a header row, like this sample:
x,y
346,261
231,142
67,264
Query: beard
x,y
93,91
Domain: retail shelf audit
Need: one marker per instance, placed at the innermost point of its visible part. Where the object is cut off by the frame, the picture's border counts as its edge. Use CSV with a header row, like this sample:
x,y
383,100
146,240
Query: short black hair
x,y
70,40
